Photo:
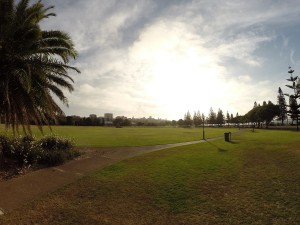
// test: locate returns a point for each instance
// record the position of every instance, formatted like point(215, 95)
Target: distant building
point(108, 119)
point(93, 116)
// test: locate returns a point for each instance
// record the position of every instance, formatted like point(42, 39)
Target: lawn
point(128, 136)
point(253, 180)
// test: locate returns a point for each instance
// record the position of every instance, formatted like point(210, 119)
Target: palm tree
point(34, 66)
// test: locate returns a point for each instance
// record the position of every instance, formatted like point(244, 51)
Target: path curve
point(18, 191)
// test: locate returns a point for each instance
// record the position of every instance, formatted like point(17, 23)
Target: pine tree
point(212, 116)
point(188, 119)
point(220, 117)
point(293, 111)
point(227, 117)
point(197, 119)
point(200, 118)
point(282, 105)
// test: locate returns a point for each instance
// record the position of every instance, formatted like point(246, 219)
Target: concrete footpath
point(18, 191)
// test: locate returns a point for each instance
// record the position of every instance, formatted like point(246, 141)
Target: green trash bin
point(227, 136)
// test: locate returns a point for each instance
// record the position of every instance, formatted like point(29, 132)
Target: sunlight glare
point(180, 83)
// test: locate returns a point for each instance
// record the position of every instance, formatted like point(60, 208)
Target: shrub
point(57, 157)
point(23, 149)
point(5, 146)
point(56, 143)
point(57, 150)
point(26, 150)
point(50, 150)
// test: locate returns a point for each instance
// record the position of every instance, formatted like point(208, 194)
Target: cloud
point(292, 56)
point(162, 58)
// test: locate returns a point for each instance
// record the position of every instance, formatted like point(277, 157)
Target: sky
point(162, 58)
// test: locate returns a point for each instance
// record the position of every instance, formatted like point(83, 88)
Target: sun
point(182, 83)
point(182, 72)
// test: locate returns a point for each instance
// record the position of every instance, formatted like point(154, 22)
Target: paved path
point(18, 191)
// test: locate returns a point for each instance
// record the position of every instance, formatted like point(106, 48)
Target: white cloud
point(292, 53)
point(161, 58)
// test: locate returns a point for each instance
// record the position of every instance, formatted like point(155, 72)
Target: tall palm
point(34, 65)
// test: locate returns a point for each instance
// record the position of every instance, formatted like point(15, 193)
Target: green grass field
point(128, 136)
point(253, 180)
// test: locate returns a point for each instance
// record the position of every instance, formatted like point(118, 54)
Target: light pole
point(203, 132)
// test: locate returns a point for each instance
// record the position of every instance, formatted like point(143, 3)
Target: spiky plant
point(34, 65)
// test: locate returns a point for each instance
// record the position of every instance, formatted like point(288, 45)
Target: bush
point(23, 149)
point(56, 143)
point(57, 157)
point(50, 150)
point(57, 150)
point(26, 151)
point(5, 146)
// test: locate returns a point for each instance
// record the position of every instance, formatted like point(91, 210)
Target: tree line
point(119, 121)
point(213, 118)
point(257, 116)
point(260, 115)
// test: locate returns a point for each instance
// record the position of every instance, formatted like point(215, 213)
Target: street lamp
point(203, 121)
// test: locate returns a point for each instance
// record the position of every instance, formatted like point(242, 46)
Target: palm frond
point(34, 66)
